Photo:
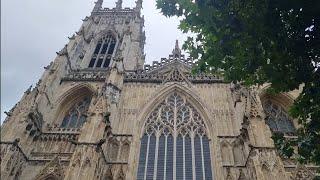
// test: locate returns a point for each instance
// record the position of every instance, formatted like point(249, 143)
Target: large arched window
point(76, 115)
point(174, 143)
point(277, 118)
point(102, 54)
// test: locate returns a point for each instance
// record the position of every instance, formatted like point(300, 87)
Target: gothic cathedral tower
point(99, 113)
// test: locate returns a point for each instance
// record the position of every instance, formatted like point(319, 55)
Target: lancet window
point(174, 144)
point(76, 115)
point(278, 119)
point(102, 54)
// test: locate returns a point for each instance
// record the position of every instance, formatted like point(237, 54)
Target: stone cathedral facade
point(99, 113)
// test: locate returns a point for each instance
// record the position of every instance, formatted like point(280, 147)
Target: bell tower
point(107, 34)
point(63, 124)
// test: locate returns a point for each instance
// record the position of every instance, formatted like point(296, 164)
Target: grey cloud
point(33, 30)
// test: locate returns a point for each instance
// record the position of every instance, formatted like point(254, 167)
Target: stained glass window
point(101, 57)
point(278, 119)
point(76, 116)
point(174, 144)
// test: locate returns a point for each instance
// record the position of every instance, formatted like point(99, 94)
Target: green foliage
point(257, 42)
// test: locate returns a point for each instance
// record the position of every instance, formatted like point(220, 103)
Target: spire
point(98, 5)
point(119, 4)
point(138, 5)
point(176, 52)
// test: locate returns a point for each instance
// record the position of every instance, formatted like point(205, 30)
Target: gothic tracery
point(175, 142)
point(103, 52)
point(277, 118)
point(76, 116)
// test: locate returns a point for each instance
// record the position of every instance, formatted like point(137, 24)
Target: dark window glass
point(82, 120)
point(179, 157)
point(206, 158)
point(103, 50)
point(105, 47)
point(107, 61)
point(161, 153)
point(75, 117)
point(111, 48)
point(93, 60)
point(142, 158)
point(96, 51)
point(169, 165)
point(277, 118)
point(188, 158)
point(65, 121)
point(99, 63)
point(151, 157)
point(198, 157)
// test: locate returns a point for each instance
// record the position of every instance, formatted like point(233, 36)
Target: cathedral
point(100, 112)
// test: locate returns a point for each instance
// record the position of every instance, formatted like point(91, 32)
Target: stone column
point(87, 152)
point(265, 161)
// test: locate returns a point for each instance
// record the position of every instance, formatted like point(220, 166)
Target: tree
point(257, 42)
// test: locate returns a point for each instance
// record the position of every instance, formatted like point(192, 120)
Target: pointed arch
point(276, 108)
point(285, 99)
point(76, 98)
point(226, 153)
point(110, 30)
point(160, 95)
point(113, 149)
point(106, 44)
point(125, 149)
point(238, 151)
point(175, 141)
point(52, 171)
point(267, 173)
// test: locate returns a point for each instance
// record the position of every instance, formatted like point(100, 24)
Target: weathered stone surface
point(35, 144)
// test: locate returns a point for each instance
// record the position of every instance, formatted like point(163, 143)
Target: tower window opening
point(103, 52)
point(76, 116)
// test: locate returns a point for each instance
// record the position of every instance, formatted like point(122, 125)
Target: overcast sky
point(33, 30)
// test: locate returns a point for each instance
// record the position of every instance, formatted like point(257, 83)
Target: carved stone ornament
point(253, 105)
point(175, 76)
point(99, 107)
point(303, 173)
point(64, 51)
point(112, 93)
point(118, 62)
point(52, 170)
point(86, 75)
point(268, 158)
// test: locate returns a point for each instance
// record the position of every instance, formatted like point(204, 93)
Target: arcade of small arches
point(277, 117)
point(175, 125)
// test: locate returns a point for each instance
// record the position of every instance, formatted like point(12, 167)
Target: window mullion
point(202, 159)
point(156, 158)
point(69, 120)
point(174, 141)
point(147, 154)
point(193, 157)
point(184, 157)
point(99, 53)
point(106, 54)
point(165, 159)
